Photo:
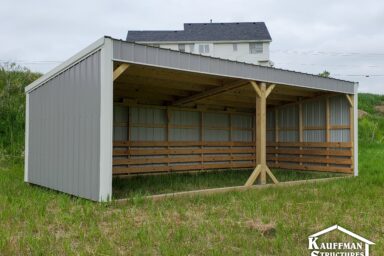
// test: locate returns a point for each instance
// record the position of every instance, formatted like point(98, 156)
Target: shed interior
point(169, 120)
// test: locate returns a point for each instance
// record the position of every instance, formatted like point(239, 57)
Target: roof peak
point(215, 31)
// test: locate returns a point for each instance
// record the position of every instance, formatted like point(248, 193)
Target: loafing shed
point(120, 108)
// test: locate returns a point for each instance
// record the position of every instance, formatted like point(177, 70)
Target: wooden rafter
point(209, 93)
point(120, 70)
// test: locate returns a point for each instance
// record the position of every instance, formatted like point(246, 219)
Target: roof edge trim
point(97, 45)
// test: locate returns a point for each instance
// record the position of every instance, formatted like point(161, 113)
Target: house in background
point(239, 41)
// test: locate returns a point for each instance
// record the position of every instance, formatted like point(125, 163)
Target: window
point(204, 48)
point(182, 47)
point(234, 46)
point(255, 48)
point(191, 47)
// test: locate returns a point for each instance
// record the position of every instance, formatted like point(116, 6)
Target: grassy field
point(34, 220)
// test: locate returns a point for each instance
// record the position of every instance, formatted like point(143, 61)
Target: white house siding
point(225, 51)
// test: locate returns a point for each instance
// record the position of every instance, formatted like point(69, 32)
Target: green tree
point(13, 79)
point(325, 73)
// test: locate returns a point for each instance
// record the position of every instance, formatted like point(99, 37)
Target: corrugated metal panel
point(289, 124)
point(314, 136)
point(339, 115)
point(120, 120)
point(270, 125)
point(148, 124)
point(64, 116)
point(197, 63)
point(314, 113)
point(339, 135)
point(242, 127)
point(339, 110)
point(187, 126)
point(216, 126)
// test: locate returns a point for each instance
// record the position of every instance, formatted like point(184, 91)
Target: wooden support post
point(167, 134)
point(352, 128)
point(301, 127)
point(120, 70)
point(261, 156)
point(327, 124)
point(202, 137)
point(230, 136)
point(261, 170)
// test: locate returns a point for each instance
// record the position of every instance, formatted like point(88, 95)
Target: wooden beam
point(120, 70)
point(256, 88)
point(261, 170)
point(231, 189)
point(270, 174)
point(350, 100)
point(269, 90)
point(209, 93)
point(352, 128)
point(252, 178)
point(261, 126)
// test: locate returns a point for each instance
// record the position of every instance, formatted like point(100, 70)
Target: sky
point(344, 37)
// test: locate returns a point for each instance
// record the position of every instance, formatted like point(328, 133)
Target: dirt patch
point(361, 113)
point(268, 230)
point(380, 109)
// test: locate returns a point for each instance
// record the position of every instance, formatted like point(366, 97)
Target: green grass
point(34, 220)
point(39, 221)
point(133, 186)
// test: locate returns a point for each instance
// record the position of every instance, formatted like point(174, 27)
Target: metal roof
point(234, 31)
point(124, 51)
point(135, 53)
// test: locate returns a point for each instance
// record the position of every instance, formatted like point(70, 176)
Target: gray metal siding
point(289, 123)
point(339, 115)
point(154, 56)
point(64, 116)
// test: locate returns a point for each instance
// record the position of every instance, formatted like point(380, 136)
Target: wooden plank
point(120, 70)
point(182, 143)
point(212, 191)
point(269, 90)
point(256, 88)
point(146, 152)
point(312, 168)
point(310, 152)
point(146, 169)
point(312, 144)
point(345, 161)
point(352, 128)
point(256, 172)
point(156, 73)
point(350, 100)
point(210, 92)
point(189, 159)
point(270, 174)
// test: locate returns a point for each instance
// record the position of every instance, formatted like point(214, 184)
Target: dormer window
point(255, 48)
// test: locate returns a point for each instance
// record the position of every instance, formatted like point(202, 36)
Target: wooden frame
point(211, 191)
point(201, 155)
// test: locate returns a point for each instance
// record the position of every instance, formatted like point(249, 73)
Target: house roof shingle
point(205, 32)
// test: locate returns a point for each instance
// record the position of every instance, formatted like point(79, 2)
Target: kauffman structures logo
point(358, 248)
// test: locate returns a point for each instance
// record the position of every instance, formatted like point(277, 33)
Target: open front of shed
point(120, 108)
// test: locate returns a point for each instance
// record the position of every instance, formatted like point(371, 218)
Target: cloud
point(343, 37)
